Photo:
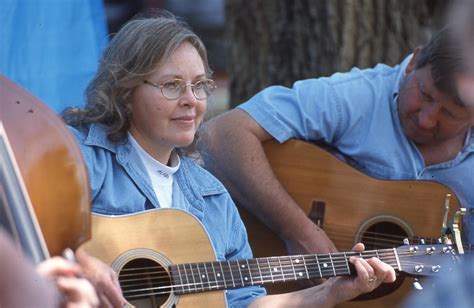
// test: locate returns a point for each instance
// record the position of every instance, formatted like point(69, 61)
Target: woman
point(143, 110)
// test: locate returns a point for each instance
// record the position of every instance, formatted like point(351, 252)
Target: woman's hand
point(77, 292)
point(103, 278)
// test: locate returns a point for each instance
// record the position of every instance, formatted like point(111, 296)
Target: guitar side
point(176, 235)
point(354, 205)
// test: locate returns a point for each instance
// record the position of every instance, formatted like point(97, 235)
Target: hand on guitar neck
point(316, 241)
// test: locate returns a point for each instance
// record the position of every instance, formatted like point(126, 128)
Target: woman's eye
point(199, 85)
point(172, 84)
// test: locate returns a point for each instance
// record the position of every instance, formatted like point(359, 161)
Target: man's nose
point(428, 116)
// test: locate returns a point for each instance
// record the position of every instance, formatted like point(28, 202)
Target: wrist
point(303, 231)
point(331, 293)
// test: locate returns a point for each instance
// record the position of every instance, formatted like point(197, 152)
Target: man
point(405, 122)
point(455, 289)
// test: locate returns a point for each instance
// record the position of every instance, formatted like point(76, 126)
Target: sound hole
point(383, 235)
point(145, 283)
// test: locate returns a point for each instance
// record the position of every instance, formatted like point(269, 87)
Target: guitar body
point(351, 207)
point(160, 237)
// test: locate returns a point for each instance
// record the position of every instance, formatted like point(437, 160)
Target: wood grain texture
point(176, 235)
point(354, 203)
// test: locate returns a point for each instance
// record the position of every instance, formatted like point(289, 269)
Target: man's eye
point(426, 97)
point(448, 113)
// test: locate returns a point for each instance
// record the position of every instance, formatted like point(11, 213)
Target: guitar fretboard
point(208, 276)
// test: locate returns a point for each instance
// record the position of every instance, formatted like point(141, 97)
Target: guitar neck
point(218, 275)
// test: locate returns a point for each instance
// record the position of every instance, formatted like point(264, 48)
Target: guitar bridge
point(317, 212)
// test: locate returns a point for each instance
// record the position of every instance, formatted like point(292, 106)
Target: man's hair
point(140, 47)
point(445, 56)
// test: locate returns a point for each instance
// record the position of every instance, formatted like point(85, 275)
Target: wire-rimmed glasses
point(175, 88)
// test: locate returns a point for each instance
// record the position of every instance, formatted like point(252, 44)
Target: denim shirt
point(120, 187)
point(356, 112)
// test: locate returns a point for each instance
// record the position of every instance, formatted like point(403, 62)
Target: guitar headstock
point(426, 260)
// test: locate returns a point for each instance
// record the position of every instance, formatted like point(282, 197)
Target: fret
point(178, 285)
point(298, 268)
point(231, 274)
point(326, 263)
point(216, 276)
point(319, 267)
point(245, 272)
point(209, 270)
point(275, 269)
point(291, 268)
point(192, 286)
point(270, 270)
point(281, 269)
point(205, 276)
point(240, 272)
point(266, 270)
point(259, 271)
point(346, 260)
point(305, 267)
point(332, 263)
point(250, 272)
point(185, 283)
point(223, 275)
point(200, 277)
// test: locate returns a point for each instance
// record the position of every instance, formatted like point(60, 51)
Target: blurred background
point(52, 47)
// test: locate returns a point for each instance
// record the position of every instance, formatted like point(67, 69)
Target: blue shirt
point(120, 187)
point(52, 47)
point(356, 112)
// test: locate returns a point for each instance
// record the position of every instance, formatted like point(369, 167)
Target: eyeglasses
point(174, 88)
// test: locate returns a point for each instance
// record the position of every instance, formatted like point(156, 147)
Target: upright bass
point(44, 192)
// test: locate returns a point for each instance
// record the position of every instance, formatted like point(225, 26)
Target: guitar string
point(262, 279)
point(187, 288)
point(322, 258)
point(382, 242)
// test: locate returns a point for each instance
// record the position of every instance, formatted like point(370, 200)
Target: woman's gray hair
point(136, 51)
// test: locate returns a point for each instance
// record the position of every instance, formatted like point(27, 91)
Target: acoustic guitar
point(164, 258)
point(352, 207)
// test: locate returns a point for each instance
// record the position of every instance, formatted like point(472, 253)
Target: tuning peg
point(422, 241)
point(447, 249)
point(417, 285)
point(406, 241)
point(413, 249)
point(435, 268)
point(419, 268)
point(440, 241)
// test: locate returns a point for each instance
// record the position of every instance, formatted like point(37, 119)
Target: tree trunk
point(281, 41)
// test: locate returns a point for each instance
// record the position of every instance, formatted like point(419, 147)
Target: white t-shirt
point(161, 175)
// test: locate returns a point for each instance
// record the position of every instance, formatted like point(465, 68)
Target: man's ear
point(411, 65)
point(465, 88)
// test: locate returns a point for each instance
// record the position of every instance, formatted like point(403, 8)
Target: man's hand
point(103, 278)
point(370, 274)
point(316, 242)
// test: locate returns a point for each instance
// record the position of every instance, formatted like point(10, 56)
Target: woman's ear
point(411, 65)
